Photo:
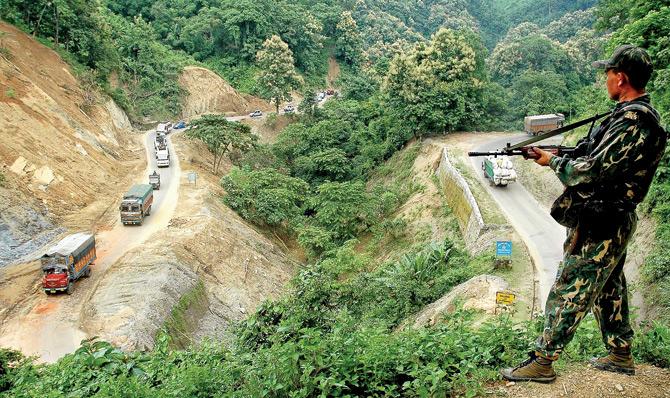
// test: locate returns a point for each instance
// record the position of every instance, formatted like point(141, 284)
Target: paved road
point(541, 234)
point(49, 326)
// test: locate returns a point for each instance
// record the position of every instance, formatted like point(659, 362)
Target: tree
point(221, 136)
point(349, 44)
point(538, 93)
point(265, 196)
point(438, 86)
point(278, 76)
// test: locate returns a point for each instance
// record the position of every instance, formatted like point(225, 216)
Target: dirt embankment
point(64, 150)
point(205, 243)
point(208, 93)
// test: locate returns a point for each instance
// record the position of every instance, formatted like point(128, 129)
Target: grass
point(487, 205)
point(181, 322)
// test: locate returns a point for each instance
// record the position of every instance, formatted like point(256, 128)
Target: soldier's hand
point(544, 157)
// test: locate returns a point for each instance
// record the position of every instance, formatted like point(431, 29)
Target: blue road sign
point(503, 248)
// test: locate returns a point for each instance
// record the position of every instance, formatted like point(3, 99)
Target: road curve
point(541, 234)
point(49, 326)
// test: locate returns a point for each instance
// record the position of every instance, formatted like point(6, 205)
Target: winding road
point(541, 234)
point(49, 326)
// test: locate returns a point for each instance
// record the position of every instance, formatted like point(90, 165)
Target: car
point(320, 97)
point(330, 91)
point(180, 125)
point(289, 108)
point(256, 113)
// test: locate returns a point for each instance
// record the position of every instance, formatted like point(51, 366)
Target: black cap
point(633, 61)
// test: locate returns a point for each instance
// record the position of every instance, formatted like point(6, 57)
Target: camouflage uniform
point(609, 175)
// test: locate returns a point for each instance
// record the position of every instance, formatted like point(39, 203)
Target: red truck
point(67, 261)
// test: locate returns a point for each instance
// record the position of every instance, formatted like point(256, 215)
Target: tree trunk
point(56, 13)
point(39, 20)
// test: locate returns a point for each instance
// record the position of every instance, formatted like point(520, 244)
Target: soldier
point(608, 175)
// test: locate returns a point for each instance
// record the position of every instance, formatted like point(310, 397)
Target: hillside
point(65, 148)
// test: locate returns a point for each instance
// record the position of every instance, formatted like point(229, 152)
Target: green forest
point(410, 69)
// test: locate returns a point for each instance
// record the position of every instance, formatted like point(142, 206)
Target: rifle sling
point(555, 132)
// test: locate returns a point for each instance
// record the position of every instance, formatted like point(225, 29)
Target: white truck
point(499, 169)
point(163, 158)
point(164, 127)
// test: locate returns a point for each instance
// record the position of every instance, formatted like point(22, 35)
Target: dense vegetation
point(410, 69)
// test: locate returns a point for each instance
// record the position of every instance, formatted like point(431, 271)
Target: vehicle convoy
point(163, 158)
point(499, 169)
point(155, 180)
point(136, 204)
point(67, 261)
point(539, 124)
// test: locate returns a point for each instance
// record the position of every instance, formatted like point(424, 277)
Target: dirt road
point(541, 234)
point(49, 326)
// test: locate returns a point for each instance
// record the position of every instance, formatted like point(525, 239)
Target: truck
point(163, 158)
point(155, 180)
point(136, 204)
point(538, 124)
point(164, 127)
point(499, 170)
point(160, 142)
point(67, 261)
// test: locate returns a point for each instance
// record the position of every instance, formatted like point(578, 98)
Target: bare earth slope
point(209, 93)
point(60, 152)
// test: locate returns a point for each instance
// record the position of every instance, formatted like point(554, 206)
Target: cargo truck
point(539, 124)
point(163, 158)
point(499, 169)
point(136, 204)
point(67, 261)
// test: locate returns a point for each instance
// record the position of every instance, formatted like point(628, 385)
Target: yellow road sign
point(505, 298)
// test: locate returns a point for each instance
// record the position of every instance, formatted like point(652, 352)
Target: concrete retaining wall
point(462, 202)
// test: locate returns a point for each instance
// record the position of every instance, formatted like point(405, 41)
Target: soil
point(333, 72)
point(208, 93)
point(62, 155)
point(582, 381)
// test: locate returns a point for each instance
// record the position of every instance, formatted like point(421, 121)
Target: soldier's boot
point(619, 360)
point(536, 368)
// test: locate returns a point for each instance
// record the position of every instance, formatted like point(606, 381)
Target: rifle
point(526, 150)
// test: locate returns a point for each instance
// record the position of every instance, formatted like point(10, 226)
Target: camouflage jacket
point(612, 168)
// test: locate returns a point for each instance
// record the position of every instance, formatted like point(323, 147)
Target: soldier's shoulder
point(639, 113)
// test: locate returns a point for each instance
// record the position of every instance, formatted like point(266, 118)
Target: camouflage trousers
point(590, 278)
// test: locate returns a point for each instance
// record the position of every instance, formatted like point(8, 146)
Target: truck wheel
point(87, 273)
point(70, 288)
point(149, 211)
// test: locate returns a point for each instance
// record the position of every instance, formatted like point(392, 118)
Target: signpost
point(193, 178)
point(503, 254)
point(505, 298)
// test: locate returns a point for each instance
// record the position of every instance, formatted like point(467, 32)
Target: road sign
point(193, 177)
point(503, 248)
point(505, 298)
